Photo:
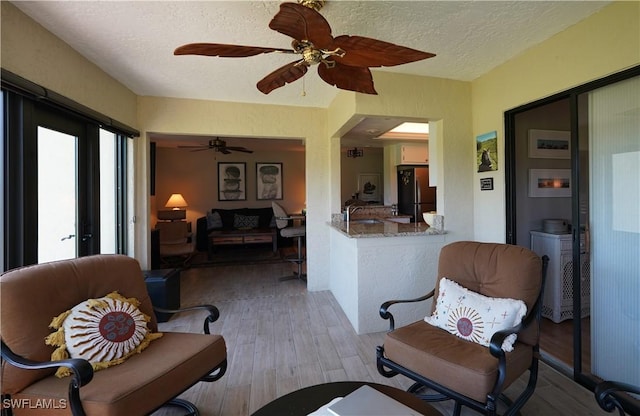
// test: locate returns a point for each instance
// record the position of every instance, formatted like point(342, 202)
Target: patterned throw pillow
point(104, 331)
point(245, 222)
point(475, 317)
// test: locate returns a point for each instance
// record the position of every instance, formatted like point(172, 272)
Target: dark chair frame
point(83, 371)
point(608, 397)
point(495, 348)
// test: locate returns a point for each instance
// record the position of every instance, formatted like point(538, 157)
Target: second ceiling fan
point(218, 145)
point(344, 61)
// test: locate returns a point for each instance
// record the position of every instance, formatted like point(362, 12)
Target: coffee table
point(241, 237)
point(307, 400)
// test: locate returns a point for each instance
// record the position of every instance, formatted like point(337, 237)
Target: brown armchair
point(32, 295)
point(471, 374)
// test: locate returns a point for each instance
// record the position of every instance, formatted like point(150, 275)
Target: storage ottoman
point(163, 286)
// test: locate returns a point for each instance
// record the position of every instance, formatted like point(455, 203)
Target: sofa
point(259, 220)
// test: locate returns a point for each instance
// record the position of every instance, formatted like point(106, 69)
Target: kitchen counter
point(368, 267)
point(384, 228)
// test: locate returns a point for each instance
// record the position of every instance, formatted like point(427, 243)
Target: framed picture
point(369, 186)
point(232, 183)
point(545, 183)
point(486, 184)
point(268, 181)
point(549, 144)
point(487, 151)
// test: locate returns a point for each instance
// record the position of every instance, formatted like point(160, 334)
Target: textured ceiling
point(133, 41)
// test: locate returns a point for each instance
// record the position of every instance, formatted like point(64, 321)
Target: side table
point(163, 286)
point(309, 399)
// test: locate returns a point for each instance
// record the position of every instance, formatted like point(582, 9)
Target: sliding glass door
point(614, 230)
point(601, 269)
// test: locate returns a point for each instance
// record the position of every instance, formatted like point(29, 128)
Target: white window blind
point(614, 149)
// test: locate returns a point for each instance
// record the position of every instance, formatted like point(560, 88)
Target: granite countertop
point(384, 228)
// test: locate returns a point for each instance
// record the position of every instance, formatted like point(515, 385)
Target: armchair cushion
point(104, 331)
point(475, 317)
point(133, 388)
point(466, 367)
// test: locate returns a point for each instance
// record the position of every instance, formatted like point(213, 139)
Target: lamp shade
point(176, 201)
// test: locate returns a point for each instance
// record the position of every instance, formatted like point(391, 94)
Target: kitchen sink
point(366, 221)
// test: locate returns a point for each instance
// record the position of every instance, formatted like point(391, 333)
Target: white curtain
point(614, 149)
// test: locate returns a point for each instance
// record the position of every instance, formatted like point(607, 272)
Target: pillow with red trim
point(104, 331)
point(475, 317)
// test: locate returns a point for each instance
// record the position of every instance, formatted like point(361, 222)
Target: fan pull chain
point(304, 92)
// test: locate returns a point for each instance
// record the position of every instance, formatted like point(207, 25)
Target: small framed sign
point(486, 184)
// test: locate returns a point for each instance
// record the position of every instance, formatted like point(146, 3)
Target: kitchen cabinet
point(413, 154)
point(558, 293)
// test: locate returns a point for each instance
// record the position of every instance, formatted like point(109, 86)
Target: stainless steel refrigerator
point(415, 196)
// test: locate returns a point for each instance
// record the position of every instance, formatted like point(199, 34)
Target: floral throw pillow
point(104, 331)
point(475, 317)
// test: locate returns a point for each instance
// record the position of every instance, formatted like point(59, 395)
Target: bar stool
point(287, 231)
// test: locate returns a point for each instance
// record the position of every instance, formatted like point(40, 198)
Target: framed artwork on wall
point(549, 144)
point(549, 183)
point(232, 184)
point(268, 181)
point(369, 186)
point(487, 151)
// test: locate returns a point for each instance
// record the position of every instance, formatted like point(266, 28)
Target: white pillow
point(104, 331)
point(475, 317)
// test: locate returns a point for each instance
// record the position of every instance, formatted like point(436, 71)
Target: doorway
point(574, 212)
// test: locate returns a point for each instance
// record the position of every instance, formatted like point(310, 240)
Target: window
point(65, 175)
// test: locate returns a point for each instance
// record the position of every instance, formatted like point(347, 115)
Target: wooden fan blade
point(223, 150)
point(225, 51)
point(281, 76)
point(303, 23)
point(351, 78)
point(239, 149)
point(362, 51)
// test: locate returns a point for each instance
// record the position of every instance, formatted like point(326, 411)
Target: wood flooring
point(280, 338)
point(556, 343)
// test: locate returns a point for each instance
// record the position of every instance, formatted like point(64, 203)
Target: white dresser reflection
point(558, 294)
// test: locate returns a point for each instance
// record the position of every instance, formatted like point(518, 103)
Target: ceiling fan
point(344, 61)
point(219, 146)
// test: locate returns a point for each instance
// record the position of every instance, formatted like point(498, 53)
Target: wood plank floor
point(281, 338)
point(556, 342)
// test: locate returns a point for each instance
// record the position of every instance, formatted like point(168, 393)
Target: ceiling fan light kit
point(343, 61)
point(218, 145)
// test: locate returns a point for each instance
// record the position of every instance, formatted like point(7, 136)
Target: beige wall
point(605, 43)
point(32, 52)
point(195, 176)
